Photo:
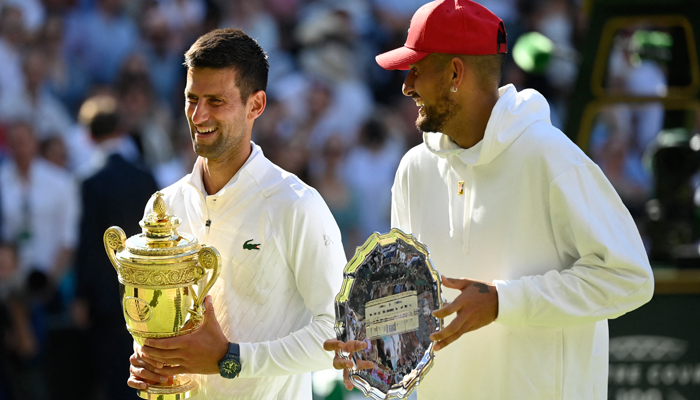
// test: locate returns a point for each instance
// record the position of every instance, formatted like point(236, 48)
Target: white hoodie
point(539, 219)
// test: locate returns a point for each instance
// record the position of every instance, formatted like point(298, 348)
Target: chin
point(425, 125)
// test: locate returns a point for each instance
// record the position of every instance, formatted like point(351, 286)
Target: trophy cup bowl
point(162, 285)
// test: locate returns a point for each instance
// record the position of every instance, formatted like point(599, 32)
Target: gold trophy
point(158, 270)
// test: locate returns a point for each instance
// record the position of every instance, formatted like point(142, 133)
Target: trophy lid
point(160, 236)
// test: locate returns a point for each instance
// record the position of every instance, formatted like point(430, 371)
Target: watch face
point(230, 368)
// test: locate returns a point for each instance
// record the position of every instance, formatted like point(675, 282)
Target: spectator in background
point(33, 13)
point(65, 76)
point(392, 22)
point(369, 171)
point(85, 157)
point(35, 102)
point(252, 17)
point(145, 119)
point(623, 132)
point(644, 77)
point(12, 38)
point(53, 149)
point(329, 56)
point(164, 60)
point(114, 195)
point(39, 213)
point(39, 207)
point(255, 18)
point(393, 14)
point(294, 157)
point(342, 200)
point(21, 372)
point(184, 19)
point(553, 19)
point(100, 39)
point(508, 10)
point(183, 158)
point(319, 98)
point(57, 7)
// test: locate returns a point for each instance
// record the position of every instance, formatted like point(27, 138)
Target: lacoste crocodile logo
point(251, 246)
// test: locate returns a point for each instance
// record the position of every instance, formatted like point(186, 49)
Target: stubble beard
point(434, 118)
point(223, 146)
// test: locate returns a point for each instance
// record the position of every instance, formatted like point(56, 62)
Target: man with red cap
point(501, 196)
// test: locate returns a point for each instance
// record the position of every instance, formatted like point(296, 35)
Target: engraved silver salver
point(389, 292)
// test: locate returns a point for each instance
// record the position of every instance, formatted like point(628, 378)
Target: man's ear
point(256, 104)
point(457, 69)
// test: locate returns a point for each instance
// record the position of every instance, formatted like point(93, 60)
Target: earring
point(453, 89)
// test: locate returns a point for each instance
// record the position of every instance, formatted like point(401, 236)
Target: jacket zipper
point(206, 230)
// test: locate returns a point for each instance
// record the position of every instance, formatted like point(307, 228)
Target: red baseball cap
point(449, 27)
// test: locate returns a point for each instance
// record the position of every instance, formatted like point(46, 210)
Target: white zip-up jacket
point(539, 219)
point(283, 265)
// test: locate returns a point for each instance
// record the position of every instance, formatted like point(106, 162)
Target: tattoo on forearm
point(482, 287)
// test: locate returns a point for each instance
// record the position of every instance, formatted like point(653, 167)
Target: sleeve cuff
point(512, 302)
point(246, 359)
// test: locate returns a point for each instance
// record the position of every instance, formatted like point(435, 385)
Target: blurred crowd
point(81, 80)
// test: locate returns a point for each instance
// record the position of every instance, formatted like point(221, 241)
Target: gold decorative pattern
point(145, 277)
point(208, 257)
point(113, 239)
point(185, 250)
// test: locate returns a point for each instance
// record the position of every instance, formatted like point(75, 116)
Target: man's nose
point(407, 88)
point(200, 114)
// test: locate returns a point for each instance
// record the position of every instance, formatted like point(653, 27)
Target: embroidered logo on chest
point(250, 246)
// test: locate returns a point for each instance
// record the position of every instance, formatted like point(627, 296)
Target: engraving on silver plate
point(389, 292)
point(392, 315)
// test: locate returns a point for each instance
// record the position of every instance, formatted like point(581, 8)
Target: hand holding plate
point(476, 307)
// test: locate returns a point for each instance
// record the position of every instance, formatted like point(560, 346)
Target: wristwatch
point(230, 365)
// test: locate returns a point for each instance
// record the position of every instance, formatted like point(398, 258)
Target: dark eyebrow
point(206, 96)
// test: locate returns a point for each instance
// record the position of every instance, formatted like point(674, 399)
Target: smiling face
point(428, 83)
point(216, 113)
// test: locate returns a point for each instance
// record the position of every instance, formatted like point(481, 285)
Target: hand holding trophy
point(158, 270)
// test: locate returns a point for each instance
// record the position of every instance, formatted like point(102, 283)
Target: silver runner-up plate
point(389, 292)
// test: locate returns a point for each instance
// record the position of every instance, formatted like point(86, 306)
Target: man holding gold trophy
point(501, 196)
point(271, 309)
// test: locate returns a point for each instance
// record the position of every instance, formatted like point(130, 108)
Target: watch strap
point(234, 349)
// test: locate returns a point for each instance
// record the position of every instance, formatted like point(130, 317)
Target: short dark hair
point(231, 48)
point(101, 115)
point(488, 68)
point(104, 124)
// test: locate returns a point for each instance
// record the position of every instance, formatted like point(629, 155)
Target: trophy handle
point(115, 240)
point(209, 258)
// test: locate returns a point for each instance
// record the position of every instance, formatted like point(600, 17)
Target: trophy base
point(182, 388)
